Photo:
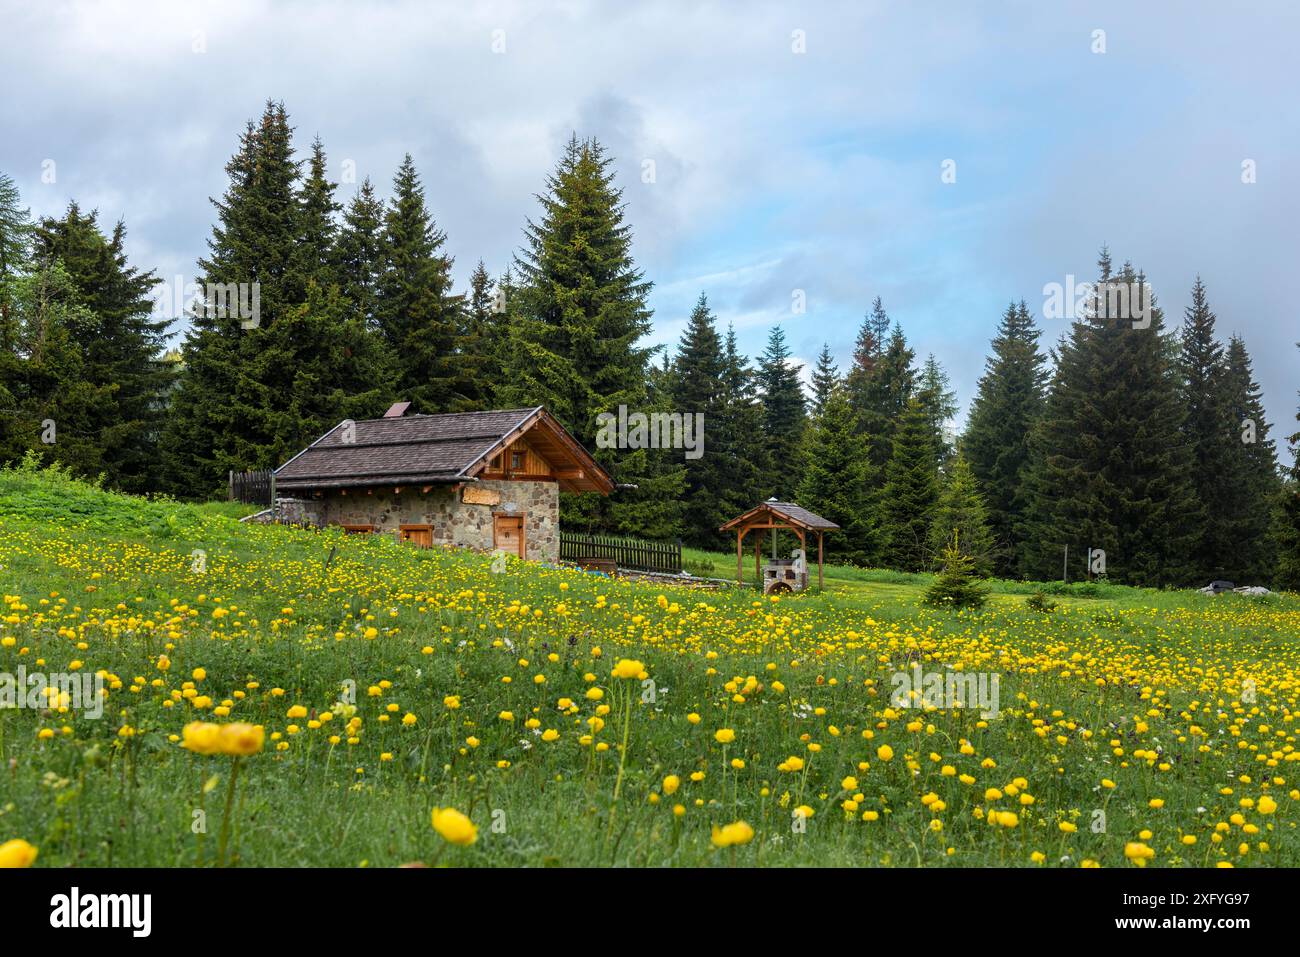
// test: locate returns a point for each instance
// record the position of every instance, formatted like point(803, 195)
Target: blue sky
point(775, 170)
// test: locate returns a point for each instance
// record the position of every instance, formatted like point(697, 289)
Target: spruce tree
point(825, 379)
point(1113, 463)
point(56, 407)
point(578, 314)
point(837, 482)
point(359, 252)
point(1009, 401)
point(418, 313)
point(317, 222)
point(878, 322)
point(956, 585)
point(784, 416)
point(121, 343)
point(1213, 435)
point(15, 250)
point(221, 417)
point(736, 443)
point(910, 493)
point(961, 511)
point(880, 382)
point(940, 403)
point(483, 339)
point(697, 388)
point(1253, 465)
point(257, 388)
point(15, 253)
point(1287, 534)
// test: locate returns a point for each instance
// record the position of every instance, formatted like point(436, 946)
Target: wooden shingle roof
point(431, 449)
point(794, 514)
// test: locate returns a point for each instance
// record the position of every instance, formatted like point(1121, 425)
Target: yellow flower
point(628, 668)
point(885, 753)
point(1266, 805)
point(671, 784)
point(454, 827)
point(731, 835)
point(240, 739)
point(201, 737)
point(1067, 828)
point(17, 853)
point(1138, 853)
point(804, 811)
point(297, 711)
point(550, 734)
point(724, 735)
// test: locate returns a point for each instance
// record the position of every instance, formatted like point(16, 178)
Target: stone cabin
point(481, 480)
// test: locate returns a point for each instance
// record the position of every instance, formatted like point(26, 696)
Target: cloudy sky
point(794, 146)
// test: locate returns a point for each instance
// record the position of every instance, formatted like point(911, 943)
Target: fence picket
point(630, 553)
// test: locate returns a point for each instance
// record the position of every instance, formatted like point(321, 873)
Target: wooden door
point(508, 534)
point(421, 536)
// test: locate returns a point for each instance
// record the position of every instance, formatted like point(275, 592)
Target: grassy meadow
point(578, 720)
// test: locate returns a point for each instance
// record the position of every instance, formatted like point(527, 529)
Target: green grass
point(278, 617)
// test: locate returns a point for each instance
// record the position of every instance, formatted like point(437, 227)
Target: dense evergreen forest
point(1144, 443)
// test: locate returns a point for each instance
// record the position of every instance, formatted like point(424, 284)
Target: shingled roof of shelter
point(414, 449)
point(796, 514)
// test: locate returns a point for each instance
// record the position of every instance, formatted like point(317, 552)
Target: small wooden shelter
point(770, 517)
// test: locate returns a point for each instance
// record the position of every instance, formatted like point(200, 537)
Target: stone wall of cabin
point(454, 521)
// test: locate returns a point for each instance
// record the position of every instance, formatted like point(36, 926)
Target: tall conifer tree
point(419, 314)
point(1009, 401)
point(1253, 464)
point(697, 388)
point(825, 379)
point(911, 492)
point(784, 415)
point(1113, 464)
point(121, 345)
point(837, 482)
point(578, 314)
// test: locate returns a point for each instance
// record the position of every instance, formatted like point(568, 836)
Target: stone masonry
point(453, 521)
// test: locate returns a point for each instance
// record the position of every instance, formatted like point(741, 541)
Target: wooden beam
point(819, 561)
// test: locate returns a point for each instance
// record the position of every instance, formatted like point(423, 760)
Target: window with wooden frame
point(358, 529)
point(421, 536)
point(517, 460)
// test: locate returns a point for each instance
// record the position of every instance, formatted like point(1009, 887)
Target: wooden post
point(740, 571)
point(819, 560)
point(758, 548)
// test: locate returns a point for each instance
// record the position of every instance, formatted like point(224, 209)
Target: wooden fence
point(252, 488)
point(630, 553)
